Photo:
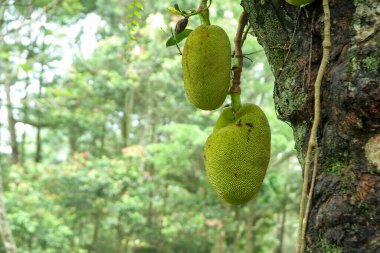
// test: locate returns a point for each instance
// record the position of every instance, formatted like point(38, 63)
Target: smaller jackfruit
point(299, 3)
point(237, 153)
point(206, 64)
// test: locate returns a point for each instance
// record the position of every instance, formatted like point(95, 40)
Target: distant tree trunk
point(236, 244)
point(95, 233)
point(219, 241)
point(103, 139)
point(345, 211)
point(73, 138)
point(149, 168)
point(25, 104)
point(38, 157)
point(11, 122)
point(38, 143)
point(249, 226)
point(120, 234)
point(281, 231)
point(126, 120)
point(25, 110)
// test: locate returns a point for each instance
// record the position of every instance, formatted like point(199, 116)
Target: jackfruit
point(206, 64)
point(237, 153)
point(299, 3)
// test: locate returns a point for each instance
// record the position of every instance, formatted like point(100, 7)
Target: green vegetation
point(371, 64)
point(329, 248)
point(106, 154)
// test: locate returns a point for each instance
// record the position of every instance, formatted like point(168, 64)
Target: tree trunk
point(281, 231)
point(236, 243)
point(25, 109)
point(95, 233)
point(38, 156)
point(218, 241)
point(345, 211)
point(11, 123)
point(74, 133)
point(126, 120)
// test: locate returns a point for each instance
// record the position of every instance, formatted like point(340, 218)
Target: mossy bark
point(345, 212)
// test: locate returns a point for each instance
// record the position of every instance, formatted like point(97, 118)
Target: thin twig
point(313, 145)
point(246, 57)
point(188, 15)
point(255, 52)
point(175, 40)
point(245, 34)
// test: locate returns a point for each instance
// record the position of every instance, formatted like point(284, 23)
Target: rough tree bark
point(345, 211)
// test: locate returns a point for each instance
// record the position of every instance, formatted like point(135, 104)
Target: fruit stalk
point(235, 101)
point(204, 14)
point(238, 68)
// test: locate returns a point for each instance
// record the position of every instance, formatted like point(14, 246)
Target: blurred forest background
point(100, 150)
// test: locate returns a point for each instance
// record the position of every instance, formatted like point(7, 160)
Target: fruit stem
point(235, 101)
point(238, 67)
point(204, 14)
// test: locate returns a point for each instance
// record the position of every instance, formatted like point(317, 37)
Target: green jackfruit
point(299, 3)
point(237, 153)
point(206, 64)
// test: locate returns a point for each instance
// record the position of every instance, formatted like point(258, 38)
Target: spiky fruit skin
point(206, 64)
point(237, 154)
point(299, 3)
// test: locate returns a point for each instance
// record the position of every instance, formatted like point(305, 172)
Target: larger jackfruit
point(237, 153)
point(206, 64)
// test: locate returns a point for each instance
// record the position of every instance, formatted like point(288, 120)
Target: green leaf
point(137, 14)
point(174, 11)
point(139, 5)
point(179, 37)
point(27, 66)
